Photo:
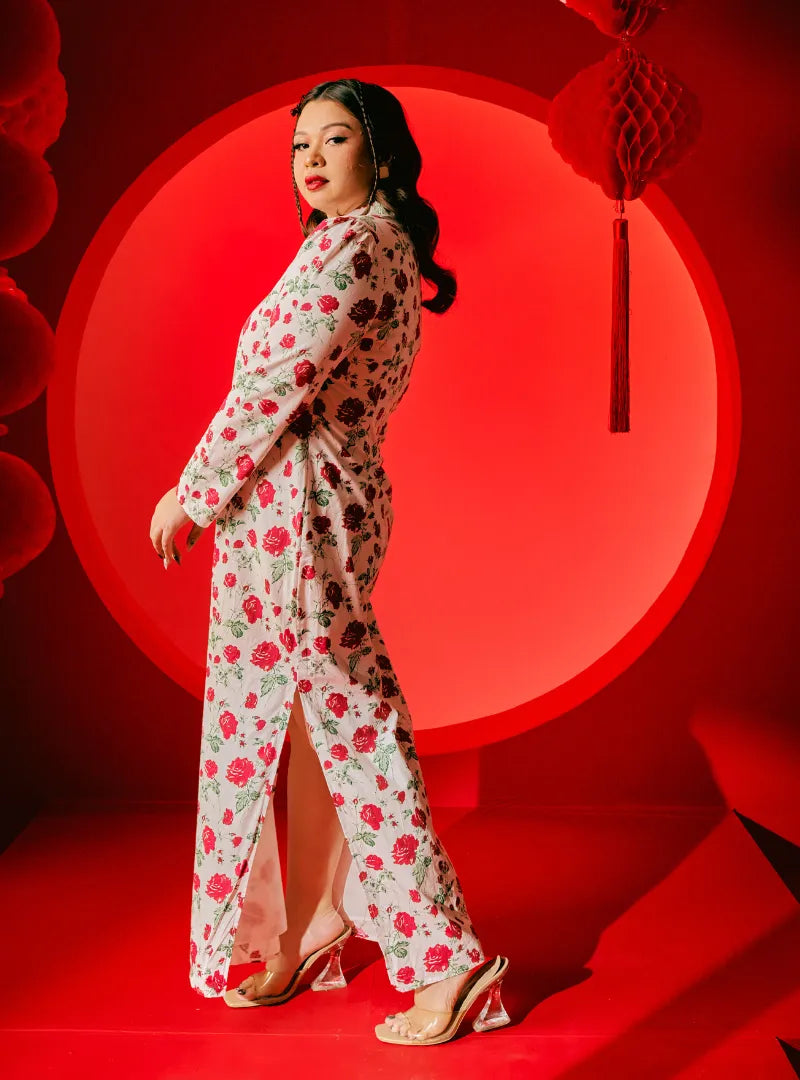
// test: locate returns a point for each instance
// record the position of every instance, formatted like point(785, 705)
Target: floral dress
point(290, 473)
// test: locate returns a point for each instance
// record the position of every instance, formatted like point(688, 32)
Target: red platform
point(648, 944)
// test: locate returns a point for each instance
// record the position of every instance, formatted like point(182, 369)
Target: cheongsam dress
point(290, 474)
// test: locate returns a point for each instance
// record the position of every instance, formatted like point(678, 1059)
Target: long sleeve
point(284, 356)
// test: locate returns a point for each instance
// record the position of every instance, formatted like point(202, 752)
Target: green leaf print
point(320, 496)
point(383, 756)
point(244, 798)
point(237, 627)
point(325, 618)
point(420, 867)
point(281, 566)
point(271, 680)
point(367, 838)
point(214, 740)
point(398, 948)
point(225, 477)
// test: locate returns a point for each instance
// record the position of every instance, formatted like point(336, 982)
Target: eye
point(333, 138)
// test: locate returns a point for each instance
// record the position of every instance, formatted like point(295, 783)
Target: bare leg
point(317, 863)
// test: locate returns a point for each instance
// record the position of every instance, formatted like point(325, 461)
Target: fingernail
point(166, 564)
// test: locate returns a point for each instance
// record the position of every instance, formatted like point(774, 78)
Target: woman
point(290, 473)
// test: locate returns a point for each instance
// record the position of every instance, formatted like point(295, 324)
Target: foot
point(297, 943)
point(431, 1012)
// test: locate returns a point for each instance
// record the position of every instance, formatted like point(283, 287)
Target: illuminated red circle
point(534, 555)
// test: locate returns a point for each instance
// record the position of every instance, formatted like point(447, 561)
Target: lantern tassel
point(619, 419)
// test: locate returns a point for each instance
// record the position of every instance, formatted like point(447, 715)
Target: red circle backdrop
point(534, 555)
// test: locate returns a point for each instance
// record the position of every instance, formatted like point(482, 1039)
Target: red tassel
point(619, 418)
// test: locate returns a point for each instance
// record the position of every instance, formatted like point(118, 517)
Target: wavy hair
point(382, 117)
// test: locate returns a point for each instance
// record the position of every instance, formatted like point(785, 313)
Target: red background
point(86, 706)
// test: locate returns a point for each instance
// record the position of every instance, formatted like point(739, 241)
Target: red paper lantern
point(27, 515)
point(618, 17)
point(35, 120)
point(622, 123)
point(26, 348)
point(29, 46)
point(28, 197)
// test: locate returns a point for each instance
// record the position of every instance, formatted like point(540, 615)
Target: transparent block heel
point(492, 1015)
point(332, 977)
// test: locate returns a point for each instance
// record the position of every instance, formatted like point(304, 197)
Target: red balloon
point(624, 122)
point(27, 515)
point(29, 46)
point(35, 120)
point(28, 197)
point(618, 17)
point(26, 349)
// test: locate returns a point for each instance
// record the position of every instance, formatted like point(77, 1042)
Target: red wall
point(89, 716)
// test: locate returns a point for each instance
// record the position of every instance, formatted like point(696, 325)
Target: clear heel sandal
point(485, 979)
point(332, 977)
point(492, 1015)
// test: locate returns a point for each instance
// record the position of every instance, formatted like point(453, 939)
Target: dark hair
point(382, 117)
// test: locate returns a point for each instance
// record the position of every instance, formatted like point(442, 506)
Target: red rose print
point(244, 466)
point(417, 819)
point(327, 304)
point(193, 951)
point(209, 840)
point(405, 923)
point(267, 753)
point(216, 982)
point(339, 751)
point(382, 782)
point(304, 372)
point(287, 341)
point(437, 958)
point(364, 739)
point(322, 644)
point(218, 887)
point(414, 895)
point(373, 911)
point(212, 497)
point(228, 723)
point(265, 492)
point(231, 653)
point(253, 608)
point(303, 685)
point(353, 634)
point(211, 769)
point(196, 881)
point(229, 580)
point(331, 472)
point(240, 771)
point(337, 703)
point(338, 798)
point(453, 930)
point(288, 640)
point(405, 975)
point(228, 433)
point(266, 655)
point(251, 700)
point(227, 817)
point(276, 540)
point(373, 816)
point(405, 849)
point(374, 862)
point(241, 868)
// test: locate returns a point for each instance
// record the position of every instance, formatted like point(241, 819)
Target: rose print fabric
point(290, 473)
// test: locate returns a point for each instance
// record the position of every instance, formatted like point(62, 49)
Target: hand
point(168, 519)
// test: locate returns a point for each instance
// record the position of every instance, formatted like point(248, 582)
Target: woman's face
point(329, 142)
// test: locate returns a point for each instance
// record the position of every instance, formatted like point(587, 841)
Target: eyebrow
point(334, 123)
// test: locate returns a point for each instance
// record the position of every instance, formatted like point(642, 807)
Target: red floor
point(642, 946)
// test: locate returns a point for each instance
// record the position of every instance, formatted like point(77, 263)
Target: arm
point(321, 313)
